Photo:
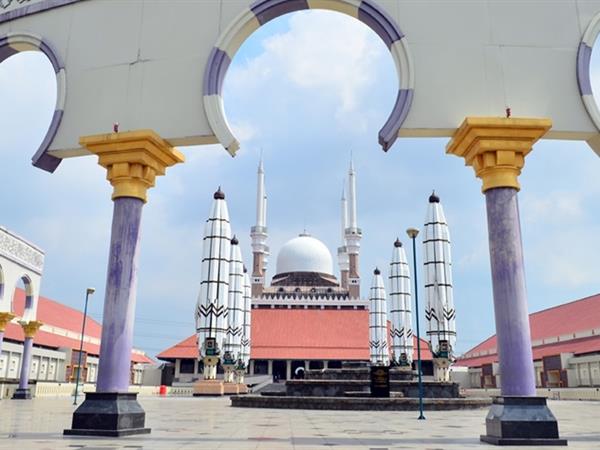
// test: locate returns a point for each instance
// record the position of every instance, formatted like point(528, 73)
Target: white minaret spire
point(378, 342)
point(260, 250)
point(235, 312)
point(211, 309)
point(400, 307)
point(353, 235)
point(439, 312)
point(343, 259)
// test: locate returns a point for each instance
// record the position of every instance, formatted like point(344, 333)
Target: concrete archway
point(14, 43)
point(261, 12)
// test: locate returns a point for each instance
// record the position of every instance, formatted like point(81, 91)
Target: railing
point(592, 393)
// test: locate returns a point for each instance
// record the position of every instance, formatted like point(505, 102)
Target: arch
point(29, 296)
point(584, 58)
point(14, 43)
point(263, 11)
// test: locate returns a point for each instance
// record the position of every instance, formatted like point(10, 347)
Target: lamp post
point(88, 292)
point(413, 233)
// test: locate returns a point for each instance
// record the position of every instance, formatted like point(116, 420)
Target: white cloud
point(327, 52)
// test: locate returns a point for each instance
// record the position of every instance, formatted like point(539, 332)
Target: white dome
point(304, 254)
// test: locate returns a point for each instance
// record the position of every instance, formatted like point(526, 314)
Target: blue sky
point(308, 89)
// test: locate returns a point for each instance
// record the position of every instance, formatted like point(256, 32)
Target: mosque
point(309, 318)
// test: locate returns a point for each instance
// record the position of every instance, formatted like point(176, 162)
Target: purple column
point(517, 376)
point(119, 301)
point(26, 363)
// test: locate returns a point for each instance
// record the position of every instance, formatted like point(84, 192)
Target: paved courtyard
point(189, 423)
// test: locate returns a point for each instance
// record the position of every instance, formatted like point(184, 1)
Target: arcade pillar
point(5, 318)
point(29, 330)
point(132, 160)
point(496, 149)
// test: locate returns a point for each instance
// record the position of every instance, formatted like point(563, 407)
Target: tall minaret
point(378, 335)
point(343, 259)
point(400, 307)
point(211, 309)
point(260, 251)
point(439, 312)
point(353, 237)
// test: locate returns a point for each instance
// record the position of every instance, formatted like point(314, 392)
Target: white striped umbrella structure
point(378, 342)
point(235, 309)
point(400, 307)
point(439, 312)
point(211, 309)
point(246, 328)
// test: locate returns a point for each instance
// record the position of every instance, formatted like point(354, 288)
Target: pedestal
point(514, 420)
point(22, 394)
point(108, 414)
point(231, 389)
point(209, 388)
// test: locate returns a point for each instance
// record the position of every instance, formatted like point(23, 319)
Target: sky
point(307, 90)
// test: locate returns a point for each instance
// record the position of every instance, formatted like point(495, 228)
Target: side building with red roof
point(565, 343)
point(56, 345)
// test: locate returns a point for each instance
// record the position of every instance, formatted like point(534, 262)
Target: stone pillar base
point(209, 388)
point(108, 414)
point(22, 394)
point(514, 420)
point(231, 389)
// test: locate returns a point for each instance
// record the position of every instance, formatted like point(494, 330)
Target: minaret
point(235, 312)
point(211, 309)
point(246, 330)
point(439, 312)
point(260, 250)
point(353, 237)
point(378, 342)
point(343, 259)
point(400, 307)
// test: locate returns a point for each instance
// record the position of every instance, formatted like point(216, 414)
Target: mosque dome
point(304, 254)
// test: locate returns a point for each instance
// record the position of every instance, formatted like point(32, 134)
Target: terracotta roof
point(54, 314)
point(562, 321)
point(313, 334)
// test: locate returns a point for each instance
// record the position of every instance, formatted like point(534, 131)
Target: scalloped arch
point(14, 43)
point(263, 11)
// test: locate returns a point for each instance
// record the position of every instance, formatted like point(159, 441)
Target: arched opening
point(18, 53)
point(25, 285)
point(262, 12)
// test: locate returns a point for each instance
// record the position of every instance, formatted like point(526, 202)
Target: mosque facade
point(307, 317)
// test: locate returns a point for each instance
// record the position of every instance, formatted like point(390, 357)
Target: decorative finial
point(434, 198)
point(377, 271)
point(245, 269)
point(234, 241)
point(219, 195)
point(397, 244)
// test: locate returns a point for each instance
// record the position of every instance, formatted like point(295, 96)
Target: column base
point(514, 420)
point(22, 394)
point(110, 414)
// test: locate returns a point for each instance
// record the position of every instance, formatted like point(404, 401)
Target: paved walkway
point(192, 423)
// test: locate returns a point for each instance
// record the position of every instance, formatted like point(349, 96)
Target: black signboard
point(380, 381)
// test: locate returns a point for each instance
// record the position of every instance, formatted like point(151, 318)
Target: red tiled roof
point(567, 319)
point(313, 334)
point(52, 313)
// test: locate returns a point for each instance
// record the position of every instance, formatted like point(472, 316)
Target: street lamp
point(88, 292)
point(413, 233)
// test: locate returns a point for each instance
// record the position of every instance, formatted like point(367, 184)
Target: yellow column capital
point(5, 318)
point(496, 147)
point(132, 159)
point(30, 328)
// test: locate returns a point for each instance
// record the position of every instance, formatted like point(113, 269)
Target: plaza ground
point(210, 423)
